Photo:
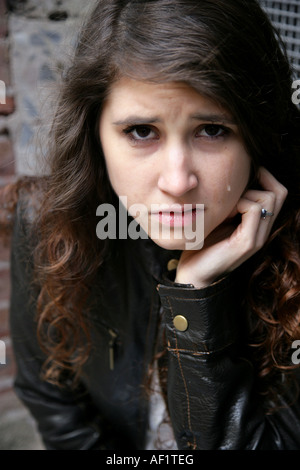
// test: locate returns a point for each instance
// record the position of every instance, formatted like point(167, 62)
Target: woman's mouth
point(178, 216)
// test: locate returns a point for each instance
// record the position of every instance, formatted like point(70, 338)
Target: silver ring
point(265, 214)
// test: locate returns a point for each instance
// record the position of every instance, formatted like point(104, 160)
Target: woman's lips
point(176, 216)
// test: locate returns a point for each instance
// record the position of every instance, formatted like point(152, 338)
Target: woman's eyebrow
point(137, 120)
point(221, 118)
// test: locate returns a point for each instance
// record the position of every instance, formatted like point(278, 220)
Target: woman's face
point(167, 146)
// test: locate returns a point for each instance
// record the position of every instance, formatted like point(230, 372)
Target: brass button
point(180, 323)
point(172, 264)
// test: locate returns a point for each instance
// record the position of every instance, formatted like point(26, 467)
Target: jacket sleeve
point(66, 418)
point(212, 397)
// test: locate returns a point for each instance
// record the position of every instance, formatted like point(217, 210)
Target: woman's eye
point(212, 131)
point(141, 133)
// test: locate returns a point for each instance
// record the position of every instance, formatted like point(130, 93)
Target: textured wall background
point(41, 36)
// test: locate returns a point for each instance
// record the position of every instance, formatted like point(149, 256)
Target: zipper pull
point(111, 345)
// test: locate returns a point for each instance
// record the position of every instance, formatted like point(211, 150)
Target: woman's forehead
point(135, 96)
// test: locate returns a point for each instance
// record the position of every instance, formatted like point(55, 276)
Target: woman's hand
point(228, 246)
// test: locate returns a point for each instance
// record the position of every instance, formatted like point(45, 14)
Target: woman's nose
point(177, 175)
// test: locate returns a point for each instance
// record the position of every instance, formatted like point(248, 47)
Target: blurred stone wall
point(41, 38)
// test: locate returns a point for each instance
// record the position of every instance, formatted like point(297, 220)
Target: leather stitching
point(199, 353)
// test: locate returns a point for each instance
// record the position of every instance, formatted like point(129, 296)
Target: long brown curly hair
point(228, 51)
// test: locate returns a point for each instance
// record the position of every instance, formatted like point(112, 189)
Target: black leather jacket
point(211, 384)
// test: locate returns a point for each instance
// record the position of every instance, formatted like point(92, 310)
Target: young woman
point(155, 269)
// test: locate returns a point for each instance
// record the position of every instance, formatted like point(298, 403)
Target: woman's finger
point(269, 183)
point(271, 199)
point(247, 232)
point(266, 200)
